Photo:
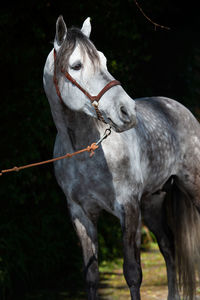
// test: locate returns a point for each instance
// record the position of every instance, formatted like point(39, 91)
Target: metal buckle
point(106, 134)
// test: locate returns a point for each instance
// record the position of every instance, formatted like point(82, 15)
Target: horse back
point(169, 138)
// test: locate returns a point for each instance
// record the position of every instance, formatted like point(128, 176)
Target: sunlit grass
point(154, 285)
point(113, 285)
point(109, 266)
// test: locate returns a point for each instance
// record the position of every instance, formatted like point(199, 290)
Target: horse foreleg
point(155, 218)
point(131, 230)
point(87, 233)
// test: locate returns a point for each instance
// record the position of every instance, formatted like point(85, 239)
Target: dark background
point(38, 246)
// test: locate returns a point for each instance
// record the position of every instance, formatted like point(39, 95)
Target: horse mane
point(74, 37)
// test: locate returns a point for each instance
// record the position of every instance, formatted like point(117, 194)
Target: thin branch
point(155, 24)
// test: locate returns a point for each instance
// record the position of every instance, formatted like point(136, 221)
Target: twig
point(155, 24)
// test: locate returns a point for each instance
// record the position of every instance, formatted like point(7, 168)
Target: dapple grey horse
point(149, 165)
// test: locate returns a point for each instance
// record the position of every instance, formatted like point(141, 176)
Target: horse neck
point(79, 127)
point(83, 129)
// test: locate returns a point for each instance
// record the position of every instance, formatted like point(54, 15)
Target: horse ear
point(61, 32)
point(86, 28)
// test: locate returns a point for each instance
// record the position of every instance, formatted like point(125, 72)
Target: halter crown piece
point(94, 99)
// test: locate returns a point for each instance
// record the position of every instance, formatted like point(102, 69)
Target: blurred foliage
point(147, 238)
point(38, 246)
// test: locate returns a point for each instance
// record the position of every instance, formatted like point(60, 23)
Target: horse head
point(80, 71)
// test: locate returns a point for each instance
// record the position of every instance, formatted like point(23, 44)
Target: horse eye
point(77, 67)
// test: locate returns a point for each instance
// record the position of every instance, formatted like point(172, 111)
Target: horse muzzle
point(121, 117)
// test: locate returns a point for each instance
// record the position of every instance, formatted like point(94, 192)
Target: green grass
point(154, 285)
point(112, 282)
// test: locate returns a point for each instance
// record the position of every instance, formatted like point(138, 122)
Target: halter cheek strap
point(94, 99)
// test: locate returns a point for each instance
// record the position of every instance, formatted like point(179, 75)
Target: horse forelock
point(76, 37)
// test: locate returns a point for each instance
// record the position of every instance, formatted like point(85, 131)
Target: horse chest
point(101, 180)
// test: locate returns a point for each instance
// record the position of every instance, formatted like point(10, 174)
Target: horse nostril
point(123, 110)
point(124, 114)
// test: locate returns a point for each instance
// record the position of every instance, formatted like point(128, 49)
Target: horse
point(148, 168)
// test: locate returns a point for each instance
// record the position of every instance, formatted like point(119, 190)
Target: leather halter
point(94, 99)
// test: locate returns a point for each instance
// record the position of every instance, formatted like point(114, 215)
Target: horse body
point(129, 172)
point(136, 162)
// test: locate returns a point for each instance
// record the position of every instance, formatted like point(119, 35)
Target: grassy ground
point(113, 285)
point(154, 285)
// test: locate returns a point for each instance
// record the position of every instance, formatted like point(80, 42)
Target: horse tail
point(184, 220)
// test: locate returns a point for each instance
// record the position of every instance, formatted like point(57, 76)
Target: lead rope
point(89, 149)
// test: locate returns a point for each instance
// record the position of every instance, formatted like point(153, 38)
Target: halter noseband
point(94, 99)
